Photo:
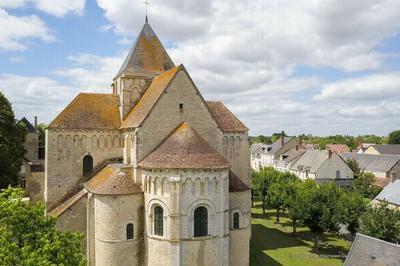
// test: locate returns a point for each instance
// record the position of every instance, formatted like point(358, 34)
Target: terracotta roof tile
point(236, 184)
point(89, 111)
point(225, 119)
point(147, 56)
point(115, 179)
point(149, 99)
point(184, 149)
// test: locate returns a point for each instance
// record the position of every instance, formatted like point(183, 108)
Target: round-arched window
point(158, 221)
point(236, 223)
point(201, 222)
point(129, 231)
point(87, 166)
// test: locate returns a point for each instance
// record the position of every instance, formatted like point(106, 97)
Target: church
point(151, 173)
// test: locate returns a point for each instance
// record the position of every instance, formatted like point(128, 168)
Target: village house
point(32, 170)
point(385, 168)
point(323, 166)
point(369, 251)
point(338, 148)
point(390, 194)
point(256, 152)
point(287, 159)
point(151, 173)
point(388, 149)
point(362, 147)
point(277, 148)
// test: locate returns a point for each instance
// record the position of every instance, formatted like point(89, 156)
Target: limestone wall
point(111, 216)
point(74, 219)
point(31, 146)
point(64, 158)
point(179, 193)
point(239, 239)
point(167, 115)
point(236, 149)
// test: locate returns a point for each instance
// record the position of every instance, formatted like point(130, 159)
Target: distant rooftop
point(390, 193)
point(369, 251)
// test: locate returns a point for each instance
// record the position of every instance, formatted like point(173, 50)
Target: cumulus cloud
point(16, 30)
point(27, 94)
point(57, 8)
point(371, 87)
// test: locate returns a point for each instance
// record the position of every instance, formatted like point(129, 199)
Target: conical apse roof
point(147, 56)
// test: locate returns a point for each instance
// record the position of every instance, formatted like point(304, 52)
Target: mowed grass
point(272, 244)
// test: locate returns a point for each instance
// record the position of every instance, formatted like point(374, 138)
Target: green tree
point(354, 166)
point(364, 185)
point(277, 194)
point(27, 237)
point(381, 222)
point(351, 206)
point(12, 150)
point(294, 202)
point(42, 134)
point(394, 137)
point(262, 180)
point(320, 209)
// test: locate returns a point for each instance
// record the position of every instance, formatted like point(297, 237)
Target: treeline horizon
point(353, 142)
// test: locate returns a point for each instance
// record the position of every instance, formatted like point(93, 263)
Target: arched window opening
point(200, 222)
point(158, 221)
point(236, 223)
point(129, 231)
point(87, 165)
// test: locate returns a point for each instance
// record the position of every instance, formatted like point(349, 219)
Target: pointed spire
point(147, 55)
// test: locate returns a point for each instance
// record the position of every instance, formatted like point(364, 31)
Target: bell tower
point(146, 59)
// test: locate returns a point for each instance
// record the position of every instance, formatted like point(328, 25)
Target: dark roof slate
point(369, 251)
point(390, 149)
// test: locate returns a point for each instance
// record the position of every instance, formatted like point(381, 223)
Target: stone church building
point(151, 174)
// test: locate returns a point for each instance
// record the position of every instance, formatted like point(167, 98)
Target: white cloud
point(12, 3)
point(372, 87)
point(27, 95)
point(15, 31)
point(60, 8)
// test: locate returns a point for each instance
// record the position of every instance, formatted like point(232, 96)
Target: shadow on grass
point(265, 238)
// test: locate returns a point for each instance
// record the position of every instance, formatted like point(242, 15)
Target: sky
point(314, 67)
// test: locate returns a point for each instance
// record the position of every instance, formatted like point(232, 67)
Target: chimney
point(282, 138)
point(330, 154)
point(297, 147)
point(35, 121)
point(300, 141)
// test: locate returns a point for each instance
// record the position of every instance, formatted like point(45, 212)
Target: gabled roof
point(369, 251)
point(149, 99)
point(184, 149)
point(276, 146)
point(225, 119)
point(236, 184)
point(147, 55)
point(311, 159)
point(372, 162)
point(293, 154)
point(389, 149)
point(338, 148)
point(390, 193)
point(28, 125)
point(115, 179)
point(89, 111)
point(257, 147)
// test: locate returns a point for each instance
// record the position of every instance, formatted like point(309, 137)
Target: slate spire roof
point(147, 55)
point(184, 149)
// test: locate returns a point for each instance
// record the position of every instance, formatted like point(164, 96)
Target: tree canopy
point(27, 237)
point(394, 137)
point(12, 137)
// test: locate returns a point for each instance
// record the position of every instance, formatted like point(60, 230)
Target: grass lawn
point(272, 244)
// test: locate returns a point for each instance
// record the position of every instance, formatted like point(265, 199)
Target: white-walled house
point(256, 151)
point(323, 166)
point(279, 147)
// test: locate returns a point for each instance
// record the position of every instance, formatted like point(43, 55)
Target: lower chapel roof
point(184, 149)
point(114, 179)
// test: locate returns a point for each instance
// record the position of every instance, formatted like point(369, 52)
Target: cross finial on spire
point(147, 3)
